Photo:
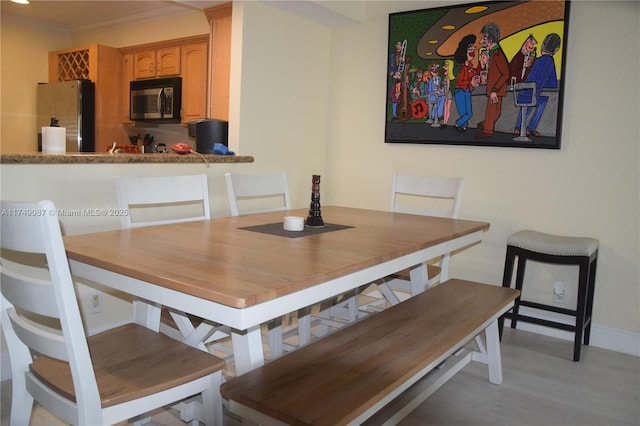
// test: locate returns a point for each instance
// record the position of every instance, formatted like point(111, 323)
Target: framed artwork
point(468, 74)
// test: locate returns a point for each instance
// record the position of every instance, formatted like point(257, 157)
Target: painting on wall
point(483, 74)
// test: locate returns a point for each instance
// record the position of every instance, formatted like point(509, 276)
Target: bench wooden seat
point(348, 376)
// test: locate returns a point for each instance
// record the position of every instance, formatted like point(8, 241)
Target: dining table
point(245, 271)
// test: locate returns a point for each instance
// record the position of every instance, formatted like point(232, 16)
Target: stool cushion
point(553, 244)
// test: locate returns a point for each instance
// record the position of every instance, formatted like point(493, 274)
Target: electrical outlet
point(559, 292)
point(95, 302)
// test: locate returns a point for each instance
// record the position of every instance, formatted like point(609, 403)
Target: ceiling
point(95, 15)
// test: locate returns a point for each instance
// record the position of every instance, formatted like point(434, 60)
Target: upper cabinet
point(186, 57)
point(194, 60)
point(219, 18)
point(127, 76)
point(154, 63)
point(203, 62)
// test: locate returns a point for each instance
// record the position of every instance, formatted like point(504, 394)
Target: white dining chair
point(119, 374)
point(159, 200)
point(426, 196)
point(251, 193)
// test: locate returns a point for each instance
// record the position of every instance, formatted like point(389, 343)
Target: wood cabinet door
point(220, 25)
point(109, 101)
point(144, 64)
point(194, 81)
point(168, 61)
point(127, 76)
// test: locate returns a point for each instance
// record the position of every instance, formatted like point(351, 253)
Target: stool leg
point(522, 261)
point(506, 281)
point(590, 293)
point(581, 307)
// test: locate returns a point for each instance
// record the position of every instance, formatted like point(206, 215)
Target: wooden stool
point(536, 246)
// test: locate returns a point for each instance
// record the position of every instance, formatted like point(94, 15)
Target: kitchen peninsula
point(120, 158)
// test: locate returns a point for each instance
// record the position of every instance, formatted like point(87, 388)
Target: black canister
point(209, 132)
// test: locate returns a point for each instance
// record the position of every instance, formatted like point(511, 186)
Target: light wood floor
point(542, 386)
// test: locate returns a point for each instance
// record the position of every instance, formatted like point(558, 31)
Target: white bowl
point(293, 223)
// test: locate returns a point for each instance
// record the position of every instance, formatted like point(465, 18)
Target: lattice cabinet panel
point(74, 65)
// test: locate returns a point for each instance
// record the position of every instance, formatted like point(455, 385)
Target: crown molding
point(152, 14)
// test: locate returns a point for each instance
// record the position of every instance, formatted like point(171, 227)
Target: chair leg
point(581, 307)
point(304, 326)
point(275, 337)
point(212, 401)
point(522, 262)
point(21, 403)
point(590, 294)
point(20, 358)
point(506, 281)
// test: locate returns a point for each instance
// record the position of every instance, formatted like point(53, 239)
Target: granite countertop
point(120, 158)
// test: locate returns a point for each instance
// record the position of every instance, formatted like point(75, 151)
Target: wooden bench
point(348, 376)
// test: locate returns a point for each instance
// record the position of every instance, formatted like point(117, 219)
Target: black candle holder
point(314, 219)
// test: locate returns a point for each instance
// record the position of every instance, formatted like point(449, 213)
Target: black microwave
point(158, 99)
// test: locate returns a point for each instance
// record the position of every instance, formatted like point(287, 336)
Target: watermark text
point(67, 212)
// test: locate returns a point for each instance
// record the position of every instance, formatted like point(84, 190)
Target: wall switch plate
point(95, 302)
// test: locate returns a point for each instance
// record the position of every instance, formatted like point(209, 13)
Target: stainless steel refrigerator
point(72, 103)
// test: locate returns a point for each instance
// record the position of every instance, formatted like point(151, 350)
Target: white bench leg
point(490, 354)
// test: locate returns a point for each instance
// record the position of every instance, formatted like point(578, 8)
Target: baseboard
point(604, 337)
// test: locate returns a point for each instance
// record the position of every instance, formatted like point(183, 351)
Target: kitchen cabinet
point(219, 18)
point(194, 62)
point(154, 63)
point(127, 76)
point(103, 66)
point(202, 61)
point(191, 64)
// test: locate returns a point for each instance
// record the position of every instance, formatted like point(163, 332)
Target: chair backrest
point(36, 280)
point(425, 195)
point(158, 200)
point(257, 193)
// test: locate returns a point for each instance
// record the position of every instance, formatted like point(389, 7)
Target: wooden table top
point(217, 261)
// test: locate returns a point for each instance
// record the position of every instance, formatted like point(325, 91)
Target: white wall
point(590, 187)
point(283, 90)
